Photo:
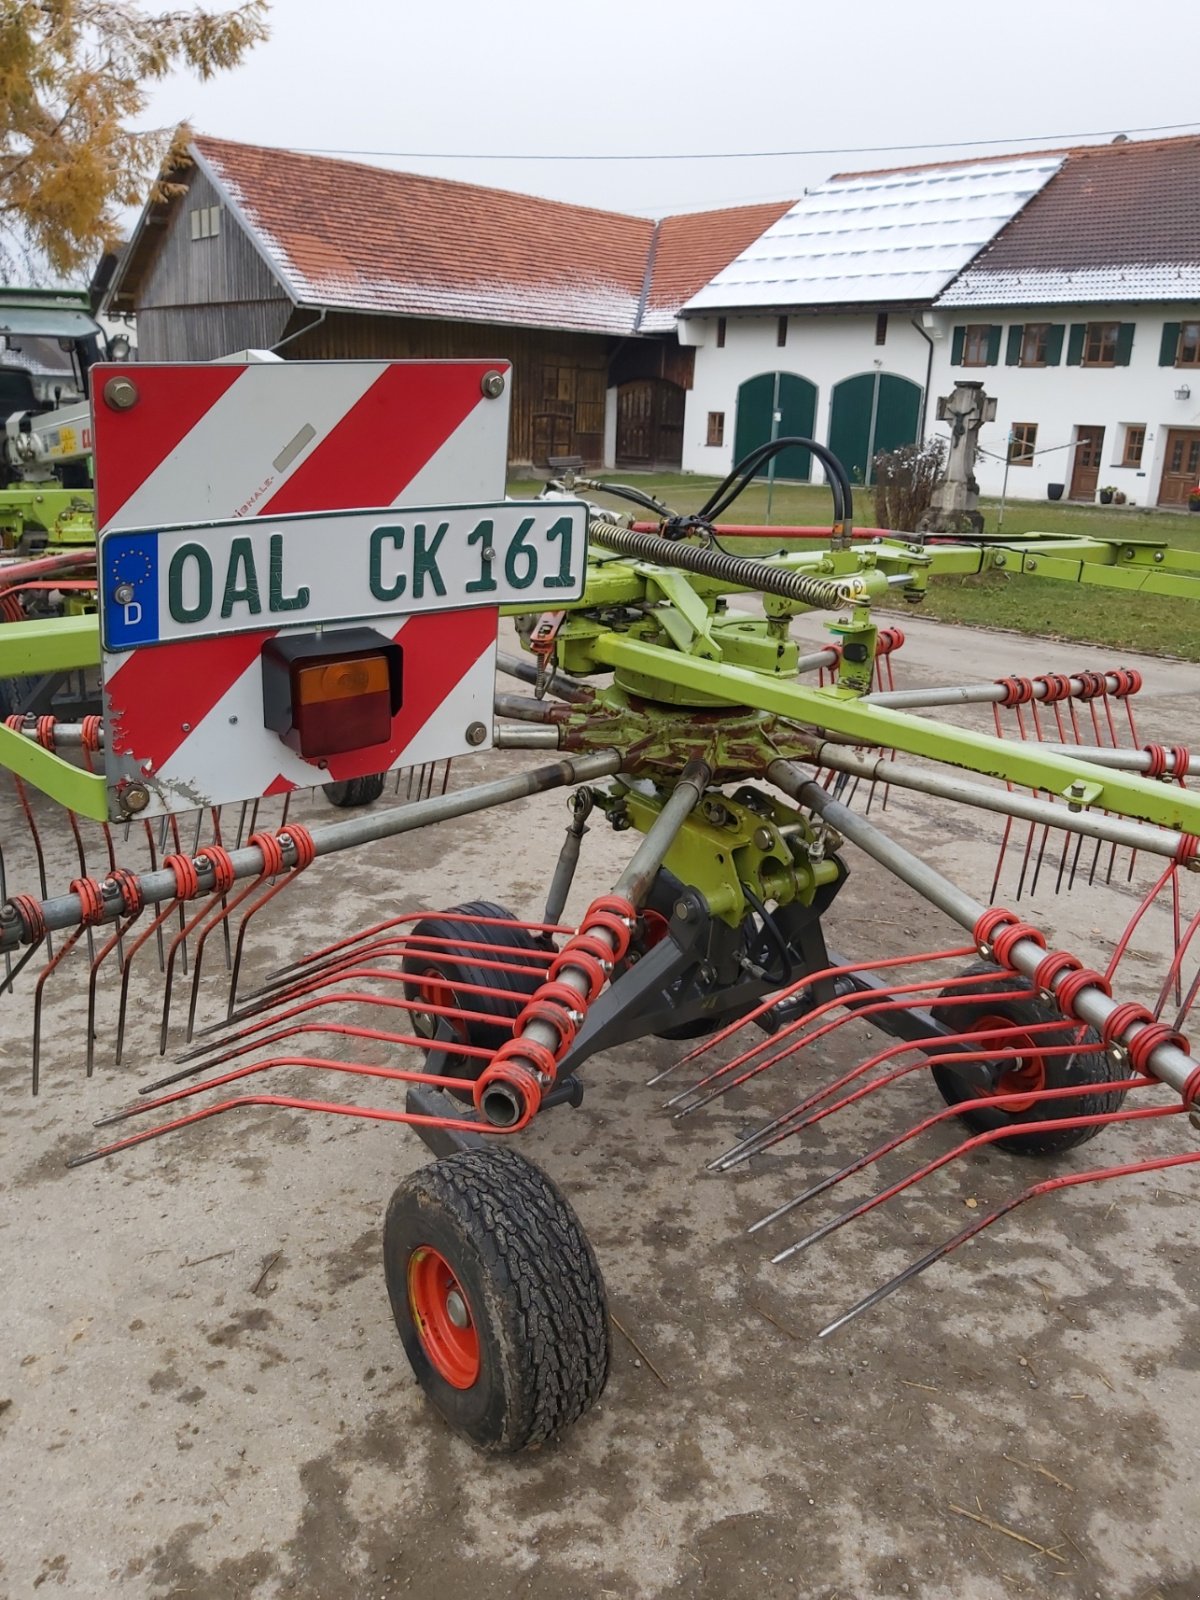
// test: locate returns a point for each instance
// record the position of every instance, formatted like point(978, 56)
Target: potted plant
point(1194, 498)
point(1119, 498)
point(1055, 491)
point(1106, 495)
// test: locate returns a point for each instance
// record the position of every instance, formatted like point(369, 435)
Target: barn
point(258, 248)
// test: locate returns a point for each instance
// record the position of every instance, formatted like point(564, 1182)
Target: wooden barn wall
point(654, 358)
point(202, 298)
point(202, 333)
point(559, 379)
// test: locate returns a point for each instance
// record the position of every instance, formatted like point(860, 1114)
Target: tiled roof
point(341, 234)
point(876, 239)
point(691, 248)
point(366, 239)
point(1119, 222)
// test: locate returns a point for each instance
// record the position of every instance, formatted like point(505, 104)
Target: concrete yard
point(203, 1397)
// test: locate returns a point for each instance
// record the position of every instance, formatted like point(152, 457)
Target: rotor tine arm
point(1092, 1120)
point(1047, 1186)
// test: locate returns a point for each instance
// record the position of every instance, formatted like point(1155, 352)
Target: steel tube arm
point(1168, 1063)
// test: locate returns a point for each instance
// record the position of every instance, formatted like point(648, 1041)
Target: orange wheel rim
point(435, 991)
point(442, 1314)
point(1024, 1074)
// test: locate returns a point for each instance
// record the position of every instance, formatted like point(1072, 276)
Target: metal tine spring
point(895, 998)
point(946, 1114)
point(801, 1116)
point(975, 1142)
point(973, 1229)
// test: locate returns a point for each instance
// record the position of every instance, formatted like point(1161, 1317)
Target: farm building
point(1067, 281)
point(331, 259)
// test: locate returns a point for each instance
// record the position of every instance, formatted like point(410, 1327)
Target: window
point(881, 327)
point(1022, 444)
point(1187, 352)
point(720, 333)
point(1033, 344)
point(1135, 443)
point(1100, 344)
point(976, 344)
point(206, 222)
point(716, 428)
point(781, 331)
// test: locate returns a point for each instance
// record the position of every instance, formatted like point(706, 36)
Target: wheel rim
point(435, 991)
point(442, 1314)
point(1024, 1074)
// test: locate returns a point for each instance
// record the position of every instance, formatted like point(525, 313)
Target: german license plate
point(160, 585)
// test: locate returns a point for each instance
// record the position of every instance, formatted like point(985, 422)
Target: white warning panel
point(266, 599)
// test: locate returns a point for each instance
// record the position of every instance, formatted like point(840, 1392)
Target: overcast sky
point(645, 77)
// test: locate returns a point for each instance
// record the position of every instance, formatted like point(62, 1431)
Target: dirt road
point(202, 1395)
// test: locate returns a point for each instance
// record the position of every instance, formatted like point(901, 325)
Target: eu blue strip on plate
point(130, 566)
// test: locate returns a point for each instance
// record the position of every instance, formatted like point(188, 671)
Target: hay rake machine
point(668, 680)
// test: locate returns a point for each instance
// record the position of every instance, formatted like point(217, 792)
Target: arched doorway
point(874, 411)
point(650, 424)
point(772, 406)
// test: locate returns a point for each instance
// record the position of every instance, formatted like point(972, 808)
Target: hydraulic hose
point(746, 572)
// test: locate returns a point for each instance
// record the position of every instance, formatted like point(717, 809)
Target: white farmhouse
point(1067, 281)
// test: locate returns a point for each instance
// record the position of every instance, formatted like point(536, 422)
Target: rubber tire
point(1091, 1065)
point(517, 983)
point(355, 791)
point(533, 1287)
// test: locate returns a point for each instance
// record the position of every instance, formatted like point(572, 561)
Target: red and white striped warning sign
point(186, 444)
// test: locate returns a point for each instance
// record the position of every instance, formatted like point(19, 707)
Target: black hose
point(727, 492)
point(771, 927)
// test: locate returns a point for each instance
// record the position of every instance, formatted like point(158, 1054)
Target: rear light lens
point(325, 694)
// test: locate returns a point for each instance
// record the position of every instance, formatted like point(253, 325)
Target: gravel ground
point(202, 1395)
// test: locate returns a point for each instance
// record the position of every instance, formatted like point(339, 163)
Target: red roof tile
point(342, 234)
point(693, 247)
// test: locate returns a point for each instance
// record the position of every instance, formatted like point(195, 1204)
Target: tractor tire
point(355, 791)
point(449, 969)
point(498, 1298)
point(1020, 1005)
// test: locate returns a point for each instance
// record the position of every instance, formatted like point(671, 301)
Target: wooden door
point(650, 423)
point(1181, 466)
point(1085, 474)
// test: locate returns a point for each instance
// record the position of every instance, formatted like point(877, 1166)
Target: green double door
point(773, 406)
point(873, 412)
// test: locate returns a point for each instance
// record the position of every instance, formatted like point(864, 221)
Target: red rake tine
point(1047, 1186)
point(380, 928)
point(984, 1102)
point(343, 997)
point(344, 974)
point(785, 1125)
point(1093, 1120)
point(400, 945)
point(800, 984)
point(291, 1103)
point(253, 1038)
point(276, 1063)
point(873, 1001)
point(341, 1029)
point(228, 908)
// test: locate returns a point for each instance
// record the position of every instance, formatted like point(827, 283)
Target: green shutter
point(1054, 343)
point(1169, 349)
point(1124, 343)
point(956, 348)
point(993, 345)
point(1012, 356)
point(1075, 344)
